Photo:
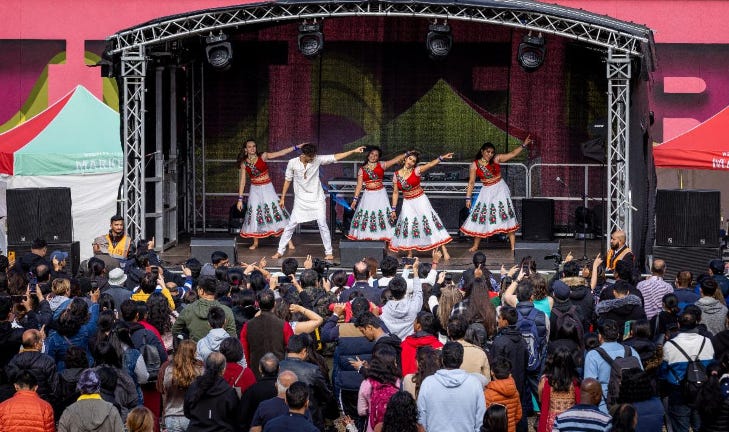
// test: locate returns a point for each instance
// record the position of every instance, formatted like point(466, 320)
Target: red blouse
point(258, 172)
point(410, 186)
point(488, 173)
point(373, 177)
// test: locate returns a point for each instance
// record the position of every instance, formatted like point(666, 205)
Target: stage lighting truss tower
point(622, 40)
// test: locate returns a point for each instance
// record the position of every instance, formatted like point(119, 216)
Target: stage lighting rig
point(531, 52)
point(311, 39)
point(439, 40)
point(219, 51)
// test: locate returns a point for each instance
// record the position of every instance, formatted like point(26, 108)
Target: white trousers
point(326, 237)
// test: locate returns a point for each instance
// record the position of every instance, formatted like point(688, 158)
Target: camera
point(32, 282)
point(94, 285)
point(408, 261)
point(556, 257)
point(283, 280)
point(155, 272)
point(448, 279)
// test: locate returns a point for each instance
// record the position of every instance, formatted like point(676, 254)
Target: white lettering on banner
point(94, 164)
point(719, 163)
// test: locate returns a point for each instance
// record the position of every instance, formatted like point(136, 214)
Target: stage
point(497, 251)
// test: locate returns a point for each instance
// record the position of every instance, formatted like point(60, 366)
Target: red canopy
point(704, 147)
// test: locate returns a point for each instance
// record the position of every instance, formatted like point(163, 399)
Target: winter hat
point(88, 382)
point(560, 290)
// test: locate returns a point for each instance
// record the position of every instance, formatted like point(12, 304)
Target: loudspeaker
point(447, 209)
point(39, 213)
point(538, 252)
point(694, 259)
point(688, 218)
point(537, 219)
point(352, 251)
point(72, 249)
point(203, 248)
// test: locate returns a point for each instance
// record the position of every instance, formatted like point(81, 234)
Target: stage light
point(439, 40)
point(311, 39)
point(531, 52)
point(219, 51)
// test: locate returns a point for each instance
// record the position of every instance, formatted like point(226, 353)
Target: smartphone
point(283, 280)
point(448, 279)
point(408, 261)
point(155, 272)
point(32, 282)
point(94, 285)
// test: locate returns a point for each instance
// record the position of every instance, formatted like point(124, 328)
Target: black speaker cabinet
point(688, 218)
point(39, 213)
point(538, 252)
point(203, 248)
point(537, 219)
point(694, 259)
point(352, 251)
point(72, 249)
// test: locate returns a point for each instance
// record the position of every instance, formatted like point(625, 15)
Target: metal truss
point(195, 178)
point(549, 19)
point(133, 73)
point(619, 203)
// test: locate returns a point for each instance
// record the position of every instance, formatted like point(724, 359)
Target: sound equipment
point(694, 259)
point(688, 218)
point(447, 209)
point(351, 252)
point(72, 249)
point(43, 213)
point(203, 248)
point(538, 252)
point(537, 219)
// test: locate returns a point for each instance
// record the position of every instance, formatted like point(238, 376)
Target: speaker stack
point(687, 230)
point(36, 213)
point(537, 232)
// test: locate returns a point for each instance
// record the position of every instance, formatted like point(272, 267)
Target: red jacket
point(26, 411)
point(410, 350)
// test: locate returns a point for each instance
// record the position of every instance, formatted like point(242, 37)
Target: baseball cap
point(58, 255)
point(561, 290)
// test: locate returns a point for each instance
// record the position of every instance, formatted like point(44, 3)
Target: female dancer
point(264, 217)
point(371, 220)
point(418, 227)
point(493, 212)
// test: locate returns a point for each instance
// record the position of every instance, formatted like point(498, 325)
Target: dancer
point(493, 212)
point(371, 221)
point(309, 198)
point(418, 227)
point(263, 216)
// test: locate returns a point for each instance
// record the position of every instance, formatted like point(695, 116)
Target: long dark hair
point(159, 312)
point(383, 365)
point(480, 309)
point(242, 154)
point(401, 414)
point(495, 419)
point(429, 362)
point(73, 318)
point(485, 146)
point(624, 418)
point(561, 370)
point(214, 367)
point(369, 150)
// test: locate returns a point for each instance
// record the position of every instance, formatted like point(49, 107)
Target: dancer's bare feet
point(329, 257)
point(254, 245)
point(291, 245)
point(276, 255)
point(476, 242)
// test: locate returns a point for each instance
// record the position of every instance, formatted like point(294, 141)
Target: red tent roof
point(704, 147)
point(17, 137)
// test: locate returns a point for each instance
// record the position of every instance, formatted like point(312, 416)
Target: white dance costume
point(371, 219)
point(493, 211)
point(263, 216)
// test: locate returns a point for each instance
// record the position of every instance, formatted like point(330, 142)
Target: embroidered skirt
point(492, 213)
point(371, 220)
point(418, 227)
point(263, 217)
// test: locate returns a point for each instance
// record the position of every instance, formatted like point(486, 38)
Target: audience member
point(585, 416)
point(90, 413)
point(26, 411)
point(210, 403)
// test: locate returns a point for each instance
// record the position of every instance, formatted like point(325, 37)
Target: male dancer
point(309, 198)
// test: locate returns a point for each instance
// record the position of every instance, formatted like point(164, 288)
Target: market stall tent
point(74, 143)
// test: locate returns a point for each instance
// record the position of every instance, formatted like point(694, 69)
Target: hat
point(88, 382)
point(58, 255)
point(101, 241)
point(560, 290)
point(117, 277)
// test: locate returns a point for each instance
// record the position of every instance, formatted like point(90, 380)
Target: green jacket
point(193, 320)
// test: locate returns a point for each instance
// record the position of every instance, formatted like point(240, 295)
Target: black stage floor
point(497, 250)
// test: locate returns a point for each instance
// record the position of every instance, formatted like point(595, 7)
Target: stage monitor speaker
point(352, 251)
point(43, 213)
point(203, 248)
point(688, 218)
point(537, 219)
point(71, 248)
point(538, 252)
point(694, 259)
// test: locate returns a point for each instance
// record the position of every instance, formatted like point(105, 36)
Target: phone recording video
point(283, 280)
point(408, 261)
point(32, 282)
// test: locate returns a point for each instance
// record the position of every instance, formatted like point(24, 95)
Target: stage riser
point(353, 251)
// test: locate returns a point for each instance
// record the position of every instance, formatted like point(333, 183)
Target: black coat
point(508, 343)
point(217, 410)
point(43, 368)
point(10, 341)
point(620, 310)
point(263, 389)
point(581, 296)
point(320, 392)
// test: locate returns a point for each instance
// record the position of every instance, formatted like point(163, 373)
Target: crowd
point(126, 344)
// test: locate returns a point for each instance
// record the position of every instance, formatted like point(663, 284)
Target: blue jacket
point(56, 345)
point(650, 415)
point(673, 366)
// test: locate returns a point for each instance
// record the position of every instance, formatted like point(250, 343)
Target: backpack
point(151, 358)
point(695, 374)
point(570, 315)
point(381, 394)
point(617, 366)
point(536, 345)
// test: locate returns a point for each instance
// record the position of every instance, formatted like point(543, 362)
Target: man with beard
point(619, 251)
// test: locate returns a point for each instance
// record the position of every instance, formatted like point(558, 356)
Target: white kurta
point(309, 197)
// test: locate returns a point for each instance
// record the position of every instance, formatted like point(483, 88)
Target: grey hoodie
point(713, 314)
point(90, 415)
point(451, 400)
point(210, 343)
point(399, 315)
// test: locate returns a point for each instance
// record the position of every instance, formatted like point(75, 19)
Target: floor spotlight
point(439, 40)
point(531, 52)
point(219, 51)
point(311, 39)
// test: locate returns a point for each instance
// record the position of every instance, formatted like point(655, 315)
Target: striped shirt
point(583, 418)
point(653, 290)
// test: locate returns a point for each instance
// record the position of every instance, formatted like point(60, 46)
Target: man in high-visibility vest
point(118, 241)
point(618, 251)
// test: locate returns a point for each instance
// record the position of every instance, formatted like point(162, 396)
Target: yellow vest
point(121, 249)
